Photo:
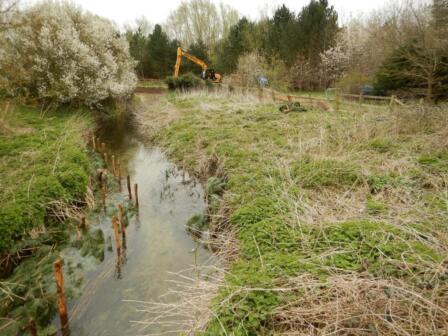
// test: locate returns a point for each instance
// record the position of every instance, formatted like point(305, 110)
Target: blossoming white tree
point(59, 53)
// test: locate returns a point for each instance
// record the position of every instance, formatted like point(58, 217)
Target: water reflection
point(153, 245)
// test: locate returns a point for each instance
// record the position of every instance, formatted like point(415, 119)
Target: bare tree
point(200, 20)
point(7, 10)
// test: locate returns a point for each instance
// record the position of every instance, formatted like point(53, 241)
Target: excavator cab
point(210, 74)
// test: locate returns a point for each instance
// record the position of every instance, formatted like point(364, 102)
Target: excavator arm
point(182, 53)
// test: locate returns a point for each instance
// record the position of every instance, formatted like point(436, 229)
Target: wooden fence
point(327, 103)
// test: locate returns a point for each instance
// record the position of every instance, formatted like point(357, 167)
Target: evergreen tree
point(239, 42)
point(161, 53)
point(139, 51)
point(283, 35)
point(318, 26)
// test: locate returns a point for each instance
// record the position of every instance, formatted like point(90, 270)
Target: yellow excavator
point(206, 72)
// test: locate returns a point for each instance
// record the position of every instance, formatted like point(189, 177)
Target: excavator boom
point(182, 53)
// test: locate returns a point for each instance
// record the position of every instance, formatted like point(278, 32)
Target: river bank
point(154, 246)
point(333, 212)
point(44, 171)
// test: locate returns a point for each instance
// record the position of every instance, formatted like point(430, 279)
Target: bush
point(353, 82)
point(61, 54)
point(183, 82)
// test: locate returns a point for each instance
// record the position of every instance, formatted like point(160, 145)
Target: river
point(157, 242)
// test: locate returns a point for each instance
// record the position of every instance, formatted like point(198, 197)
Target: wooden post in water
point(128, 179)
point(114, 168)
point(82, 224)
point(32, 327)
point(123, 227)
point(116, 235)
point(100, 179)
point(62, 304)
point(119, 175)
point(103, 195)
point(136, 195)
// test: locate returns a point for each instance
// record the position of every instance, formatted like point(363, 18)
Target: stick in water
point(32, 327)
point(62, 305)
point(119, 175)
point(136, 195)
point(114, 169)
point(116, 234)
point(129, 187)
point(123, 227)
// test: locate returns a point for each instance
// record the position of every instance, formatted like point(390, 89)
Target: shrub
point(183, 82)
point(353, 82)
point(61, 54)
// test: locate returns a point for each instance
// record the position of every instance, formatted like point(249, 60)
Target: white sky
point(126, 11)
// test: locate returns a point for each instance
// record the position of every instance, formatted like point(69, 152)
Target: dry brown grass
point(356, 305)
point(379, 142)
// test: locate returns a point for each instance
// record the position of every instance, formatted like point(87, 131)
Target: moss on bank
point(319, 194)
point(44, 161)
point(44, 169)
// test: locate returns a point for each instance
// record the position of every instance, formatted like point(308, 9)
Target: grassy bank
point(340, 216)
point(44, 173)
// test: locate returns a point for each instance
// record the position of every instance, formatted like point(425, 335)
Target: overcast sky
point(156, 11)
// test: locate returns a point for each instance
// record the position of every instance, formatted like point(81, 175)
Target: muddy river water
point(157, 242)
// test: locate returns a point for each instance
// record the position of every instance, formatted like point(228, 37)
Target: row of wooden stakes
point(120, 244)
point(116, 171)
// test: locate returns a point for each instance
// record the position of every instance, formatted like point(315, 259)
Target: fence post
point(392, 103)
point(337, 100)
point(93, 143)
point(273, 95)
point(361, 98)
point(62, 305)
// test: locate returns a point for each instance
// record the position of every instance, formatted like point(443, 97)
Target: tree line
point(399, 48)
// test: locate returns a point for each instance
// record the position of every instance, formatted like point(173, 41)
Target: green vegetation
point(44, 173)
point(43, 161)
point(318, 196)
point(183, 82)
